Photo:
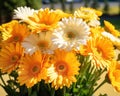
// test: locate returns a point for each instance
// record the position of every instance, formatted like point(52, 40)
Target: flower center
point(86, 12)
point(69, 36)
point(43, 44)
point(100, 51)
point(35, 69)
point(61, 67)
point(15, 58)
point(16, 38)
point(44, 29)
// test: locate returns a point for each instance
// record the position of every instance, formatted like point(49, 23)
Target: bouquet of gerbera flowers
point(52, 53)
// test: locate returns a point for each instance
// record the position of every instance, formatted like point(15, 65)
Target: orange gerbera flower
point(100, 49)
point(63, 69)
point(10, 57)
point(33, 69)
point(114, 74)
point(45, 20)
point(18, 33)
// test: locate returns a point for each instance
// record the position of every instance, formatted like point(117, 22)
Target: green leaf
point(34, 93)
point(67, 94)
point(75, 90)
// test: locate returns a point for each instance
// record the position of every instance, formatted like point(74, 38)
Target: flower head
point(14, 32)
point(40, 41)
point(10, 57)
point(87, 14)
point(71, 33)
point(110, 28)
point(33, 68)
point(44, 20)
point(101, 51)
point(114, 74)
point(63, 69)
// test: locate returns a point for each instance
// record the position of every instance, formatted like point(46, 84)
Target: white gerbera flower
point(71, 33)
point(111, 37)
point(23, 13)
point(38, 42)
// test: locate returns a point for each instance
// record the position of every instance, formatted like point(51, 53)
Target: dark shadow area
point(114, 19)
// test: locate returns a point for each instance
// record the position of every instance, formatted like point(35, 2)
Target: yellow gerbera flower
point(10, 57)
point(63, 69)
point(87, 14)
point(115, 40)
point(33, 69)
point(16, 32)
point(114, 74)
point(110, 28)
point(96, 31)
point(100, 49)
point(44, 20)
point(63, 14)
point(7, 28)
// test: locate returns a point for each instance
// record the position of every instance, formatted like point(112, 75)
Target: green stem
point(29, 91)
point(12, 86)
point(52, 92)
point(48, 86)
point(64, 91)
point(38, 87)
point(98, 74)
point(84, 69)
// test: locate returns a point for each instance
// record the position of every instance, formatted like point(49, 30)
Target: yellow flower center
point(15, 58)
point(86, 12)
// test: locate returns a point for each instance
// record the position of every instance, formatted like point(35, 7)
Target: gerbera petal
point(23, 13)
